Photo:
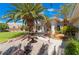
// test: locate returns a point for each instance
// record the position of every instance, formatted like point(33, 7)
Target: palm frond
point(9, 20)
point(17, 15)
point(7, 16)
point(24, 11)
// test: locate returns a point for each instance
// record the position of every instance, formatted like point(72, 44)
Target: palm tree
point(66, 9)
point(47, 23)
point(28, 12)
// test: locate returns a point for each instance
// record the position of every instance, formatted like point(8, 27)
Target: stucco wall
point(13, 27)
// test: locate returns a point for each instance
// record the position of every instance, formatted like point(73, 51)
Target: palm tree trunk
point(30, 24)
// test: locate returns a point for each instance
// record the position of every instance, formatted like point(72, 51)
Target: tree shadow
point(10, 50)
point(19, 51)
point(16, 39)
point(54, 52)
point(28, 48)
point(16, 50)
point(27, 37)
point(0, 52)
point(43, 50)
point(30, 37)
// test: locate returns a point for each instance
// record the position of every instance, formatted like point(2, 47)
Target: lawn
point(4, 36)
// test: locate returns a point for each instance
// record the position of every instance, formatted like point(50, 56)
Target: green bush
point(3, 27)
point(72, 48)
point(69, 30)
point(64, 29)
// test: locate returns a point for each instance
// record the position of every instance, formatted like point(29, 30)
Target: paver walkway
point(40, 47)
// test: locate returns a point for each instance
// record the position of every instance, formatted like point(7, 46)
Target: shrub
point(69, 30)
point(72, 48)
point(3, 27)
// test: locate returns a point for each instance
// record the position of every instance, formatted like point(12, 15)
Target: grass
point(4, 36)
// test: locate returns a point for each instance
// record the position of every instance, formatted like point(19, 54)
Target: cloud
point(41, 13)
point(60, 19)
point(50, 9)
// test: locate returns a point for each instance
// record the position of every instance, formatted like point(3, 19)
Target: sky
point(4, 7)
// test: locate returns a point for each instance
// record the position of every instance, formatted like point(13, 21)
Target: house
point(39, 26)
point(13, 27)
point(49, 25)
point(55, 25)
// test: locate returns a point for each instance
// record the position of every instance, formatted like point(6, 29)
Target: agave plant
point(28, 12)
